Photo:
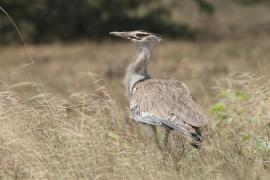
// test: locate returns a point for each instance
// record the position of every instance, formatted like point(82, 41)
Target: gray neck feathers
point(137, 70)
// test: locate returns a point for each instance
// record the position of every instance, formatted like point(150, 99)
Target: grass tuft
point(89, 136)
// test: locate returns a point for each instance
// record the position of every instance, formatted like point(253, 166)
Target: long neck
point(138, 67)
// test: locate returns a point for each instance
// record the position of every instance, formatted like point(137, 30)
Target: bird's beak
point(120, 34)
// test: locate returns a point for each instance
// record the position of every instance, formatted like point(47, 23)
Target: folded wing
point(166, 100)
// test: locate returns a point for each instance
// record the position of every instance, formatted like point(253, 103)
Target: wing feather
point(163, 98)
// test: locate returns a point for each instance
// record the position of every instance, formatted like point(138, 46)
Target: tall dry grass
point(88, 135)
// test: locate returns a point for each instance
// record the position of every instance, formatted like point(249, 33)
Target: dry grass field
point(65, 116)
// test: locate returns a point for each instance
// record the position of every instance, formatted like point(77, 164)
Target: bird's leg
point(154, 129)
point(166, 137)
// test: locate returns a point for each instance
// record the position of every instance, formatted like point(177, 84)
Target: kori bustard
point(159, 102)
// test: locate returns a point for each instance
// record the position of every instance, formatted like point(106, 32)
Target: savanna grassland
point(65, 116)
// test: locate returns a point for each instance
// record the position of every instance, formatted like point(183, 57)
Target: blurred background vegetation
point(51, 20)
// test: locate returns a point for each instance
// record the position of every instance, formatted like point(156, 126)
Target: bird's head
point(139, 37)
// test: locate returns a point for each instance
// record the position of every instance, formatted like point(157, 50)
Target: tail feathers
point(191, 133)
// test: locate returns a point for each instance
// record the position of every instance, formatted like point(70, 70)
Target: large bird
point(159, 102)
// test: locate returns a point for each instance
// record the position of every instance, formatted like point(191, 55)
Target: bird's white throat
point(137, 70)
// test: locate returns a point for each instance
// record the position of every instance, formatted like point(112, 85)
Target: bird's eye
point(141, 35)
